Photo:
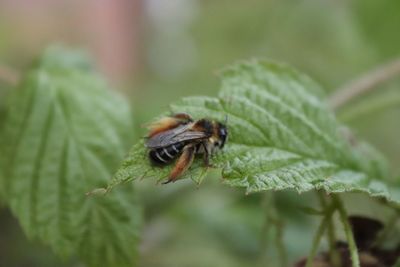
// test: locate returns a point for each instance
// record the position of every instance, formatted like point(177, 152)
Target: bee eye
point(222, 133)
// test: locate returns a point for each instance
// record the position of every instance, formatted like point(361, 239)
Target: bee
point(180, 137)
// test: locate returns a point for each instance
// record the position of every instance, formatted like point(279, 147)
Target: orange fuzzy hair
point(168, 123)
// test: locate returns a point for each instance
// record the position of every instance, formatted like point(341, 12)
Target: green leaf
point(65, 133)
point(282, 136)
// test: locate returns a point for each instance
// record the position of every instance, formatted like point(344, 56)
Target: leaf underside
point(64, 135)
point(282, 135)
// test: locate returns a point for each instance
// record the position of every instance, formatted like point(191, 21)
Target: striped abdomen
point(165, 155)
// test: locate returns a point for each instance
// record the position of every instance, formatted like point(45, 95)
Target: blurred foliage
point(217, 225)
point(64, 134)
point(2, 100)
point(331, 50)
point(14, 243)
point(379, 21)
point(333, 41)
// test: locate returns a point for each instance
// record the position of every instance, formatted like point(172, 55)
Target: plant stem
point(266, 227)
point(370, 106)
point(365, 83)
point(272, 218)
point(316, 240)
point(348, 231)
point(333, 254)
point(325, 223)
point(334, 257)
point(280, 244)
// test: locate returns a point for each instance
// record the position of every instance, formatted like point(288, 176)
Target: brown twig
point(8, 75)
point(365, 83)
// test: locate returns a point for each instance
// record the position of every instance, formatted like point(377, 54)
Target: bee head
point(222, 134)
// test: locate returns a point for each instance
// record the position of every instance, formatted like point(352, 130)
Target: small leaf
point(282, 136)
point(64, 135)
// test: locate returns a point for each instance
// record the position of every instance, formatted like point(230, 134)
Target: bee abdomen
point(165, 155)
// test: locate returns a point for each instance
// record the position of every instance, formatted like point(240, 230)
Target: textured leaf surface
point(282, 136)
point(64, 135)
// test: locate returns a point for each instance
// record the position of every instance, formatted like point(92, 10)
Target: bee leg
point(183, 163)
point(207, 156)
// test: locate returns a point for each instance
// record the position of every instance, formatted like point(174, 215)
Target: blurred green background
point(156, 51)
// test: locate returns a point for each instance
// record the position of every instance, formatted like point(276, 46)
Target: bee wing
point(173, 136)
point(167, 123)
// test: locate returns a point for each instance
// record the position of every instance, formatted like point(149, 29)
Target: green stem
point(266, 227)
point(333, 253)
point(272, 219)
point(280, 243)
point(366, 83)
point(348, 231)
point(334, 257)
point(316, 240)
point(371, 106)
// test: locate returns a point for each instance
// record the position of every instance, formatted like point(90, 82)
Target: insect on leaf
point(282, 135)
